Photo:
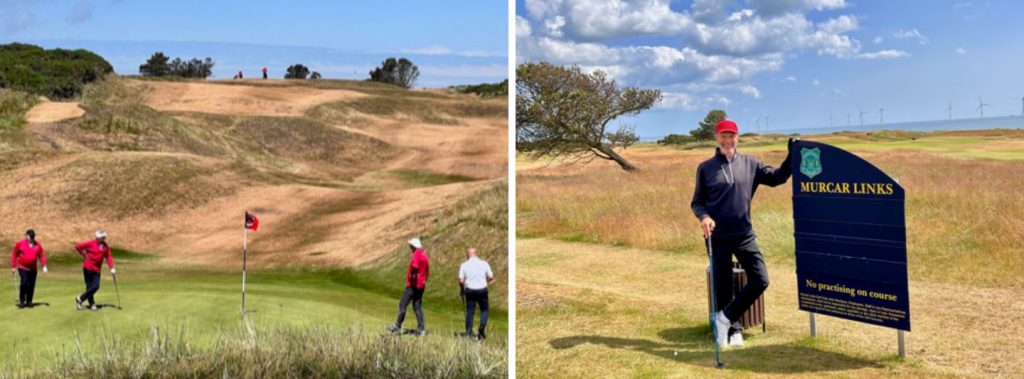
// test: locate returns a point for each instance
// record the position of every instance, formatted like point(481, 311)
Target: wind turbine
point(981, 107)
point(881, 116)
point(830, 119)
point(847, 119)
point(862, 113)
point(949, 110)
point(1022, 107)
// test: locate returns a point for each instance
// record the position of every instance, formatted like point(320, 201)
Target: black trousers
point(415, 295)
point(28, 286)
point(92, 284)
point(473, 299)
point(749, 256)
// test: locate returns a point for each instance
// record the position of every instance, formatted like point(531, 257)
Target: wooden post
point(245, 241)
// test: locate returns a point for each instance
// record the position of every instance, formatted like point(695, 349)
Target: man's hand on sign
point(707, 225)
point(792, 142)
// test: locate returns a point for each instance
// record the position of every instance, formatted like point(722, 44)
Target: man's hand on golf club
point(113, 272)
point(44, 269)
point(707, 225)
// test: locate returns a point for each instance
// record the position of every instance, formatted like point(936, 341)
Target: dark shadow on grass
point(692, 345)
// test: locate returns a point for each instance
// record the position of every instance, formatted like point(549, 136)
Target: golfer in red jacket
point(23, 260)
point(94, 251)
point(415, 284)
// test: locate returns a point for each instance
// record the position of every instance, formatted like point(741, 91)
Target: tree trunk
point(617, 158)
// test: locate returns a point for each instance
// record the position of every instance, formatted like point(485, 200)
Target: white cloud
point(884, 54)
point(879, 39)
point(676, 101)
point(791, 78)
point(961, 5)
point(911, 34)
point(815, 82)
point(751, 91)
point(715, 47)
point(523, 29)
point(960, 51)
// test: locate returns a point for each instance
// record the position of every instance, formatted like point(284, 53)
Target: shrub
point(56, 73)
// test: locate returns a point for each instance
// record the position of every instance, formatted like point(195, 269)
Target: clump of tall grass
point(251, 352)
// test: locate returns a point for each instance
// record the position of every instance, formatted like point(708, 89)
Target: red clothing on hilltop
point(94, 254)
point(419, 264)
point(24, 256)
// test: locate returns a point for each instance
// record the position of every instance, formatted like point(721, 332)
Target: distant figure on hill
point(23, 260)
point(474, 274)
point(264, 72)
point(240, 75)
point(94, 251)
point(415, 284)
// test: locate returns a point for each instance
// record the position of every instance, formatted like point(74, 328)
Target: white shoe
point(721, 328)
point(736, 340)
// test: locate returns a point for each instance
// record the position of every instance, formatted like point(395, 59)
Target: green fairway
point(207, 303)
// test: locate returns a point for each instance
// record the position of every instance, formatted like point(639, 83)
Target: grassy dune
point(637, 308)
point(159, 175)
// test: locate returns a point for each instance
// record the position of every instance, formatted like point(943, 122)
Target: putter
point(118, 291)
point(714, 330)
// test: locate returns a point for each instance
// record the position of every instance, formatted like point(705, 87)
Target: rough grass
point(315, 352)
point(481, 221)
point(955, 228)
point(428, 178)
point(432, 111)
point(13, 107)
point(157, 184)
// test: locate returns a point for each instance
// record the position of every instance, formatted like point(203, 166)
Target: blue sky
point(792, 62)
point(453, 42)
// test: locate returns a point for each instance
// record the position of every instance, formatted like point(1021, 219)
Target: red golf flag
point(251, 222)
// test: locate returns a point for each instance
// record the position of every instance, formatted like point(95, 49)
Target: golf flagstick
point(245, 241)
point(714, 309)
point(117, 290)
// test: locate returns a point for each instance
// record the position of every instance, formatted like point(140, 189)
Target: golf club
point(714, 330)
point(17, 288)
point(118, 291)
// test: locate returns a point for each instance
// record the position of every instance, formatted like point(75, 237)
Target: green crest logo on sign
point(810, 162)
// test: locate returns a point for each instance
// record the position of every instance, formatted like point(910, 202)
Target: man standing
point(721, 201)
point(474, 274)
point(264, 73)
point(415, 284)
point(94, 251)
point(23, 259)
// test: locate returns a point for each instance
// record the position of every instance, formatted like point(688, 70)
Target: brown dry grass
point(169, 167)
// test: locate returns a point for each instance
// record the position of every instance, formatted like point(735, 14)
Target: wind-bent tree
point(400, 72)
point(563, 112)
point(706, 129)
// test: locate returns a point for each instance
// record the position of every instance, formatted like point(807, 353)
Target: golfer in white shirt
point(474, 274)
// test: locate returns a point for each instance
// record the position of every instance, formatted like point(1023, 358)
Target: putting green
point(205, 302)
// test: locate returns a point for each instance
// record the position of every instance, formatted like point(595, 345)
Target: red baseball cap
point(726, 126)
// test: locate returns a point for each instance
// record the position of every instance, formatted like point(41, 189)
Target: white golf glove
point(113, 272)
point(44, 269)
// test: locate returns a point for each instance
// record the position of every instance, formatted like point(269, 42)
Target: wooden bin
point(754, 316)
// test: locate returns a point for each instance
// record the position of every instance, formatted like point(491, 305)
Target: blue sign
point(851, 237)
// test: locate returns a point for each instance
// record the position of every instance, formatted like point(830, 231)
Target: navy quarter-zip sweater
point(724, 190)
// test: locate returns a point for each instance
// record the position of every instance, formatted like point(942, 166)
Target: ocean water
point(1007, 122)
